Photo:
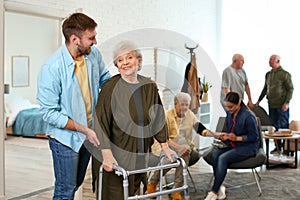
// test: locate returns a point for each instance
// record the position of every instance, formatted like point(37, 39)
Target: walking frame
point(122, 172)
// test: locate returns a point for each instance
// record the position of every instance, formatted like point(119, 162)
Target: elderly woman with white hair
point(181, 122)
point(130, 116)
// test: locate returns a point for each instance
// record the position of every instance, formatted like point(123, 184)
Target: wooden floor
point(28, 167)
point(29, 172)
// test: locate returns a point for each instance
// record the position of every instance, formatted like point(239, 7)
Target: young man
point(68, 87)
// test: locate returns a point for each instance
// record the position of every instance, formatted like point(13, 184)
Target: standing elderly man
point(234, 79)
point(279, 90)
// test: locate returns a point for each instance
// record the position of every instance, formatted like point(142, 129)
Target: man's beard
point(82, 50)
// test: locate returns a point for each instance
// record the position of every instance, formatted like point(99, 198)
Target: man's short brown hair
point(76, 24)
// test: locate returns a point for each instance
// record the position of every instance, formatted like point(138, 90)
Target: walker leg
point(100, 183)
point(125, 188)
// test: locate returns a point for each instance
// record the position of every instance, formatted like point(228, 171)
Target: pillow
point(9, 102)
point(17, 105)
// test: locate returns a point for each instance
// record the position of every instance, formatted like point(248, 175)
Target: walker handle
point(118, 170)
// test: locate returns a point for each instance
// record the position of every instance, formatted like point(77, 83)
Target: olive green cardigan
point(117, 117)
point(278, 87)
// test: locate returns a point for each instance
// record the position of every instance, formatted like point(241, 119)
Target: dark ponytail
point(234, 98)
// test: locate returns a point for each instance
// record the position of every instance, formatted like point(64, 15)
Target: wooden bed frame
point(10, 132)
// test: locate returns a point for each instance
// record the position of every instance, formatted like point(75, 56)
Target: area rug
point(283, 184)
point(276, 184)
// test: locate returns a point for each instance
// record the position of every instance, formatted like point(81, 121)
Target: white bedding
point(14, 105)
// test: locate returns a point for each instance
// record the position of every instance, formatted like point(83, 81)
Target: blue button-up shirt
point(60, 97)
point(246, 126)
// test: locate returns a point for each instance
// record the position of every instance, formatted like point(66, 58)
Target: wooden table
point(291, 161)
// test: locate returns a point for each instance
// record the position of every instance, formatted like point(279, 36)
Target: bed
point(23, 118)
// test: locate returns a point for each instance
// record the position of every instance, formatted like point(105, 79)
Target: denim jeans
point(221, 159)
point(279, 119)
point(69, 169)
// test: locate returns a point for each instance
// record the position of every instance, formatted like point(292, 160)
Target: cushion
point(295, 125)
point(252, 162)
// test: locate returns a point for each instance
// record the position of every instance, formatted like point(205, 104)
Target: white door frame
point(17, 7)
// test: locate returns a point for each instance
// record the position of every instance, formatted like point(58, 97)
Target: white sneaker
point(222, 193)
point(211, 196)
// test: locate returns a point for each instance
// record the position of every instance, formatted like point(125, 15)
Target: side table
point(291, 161)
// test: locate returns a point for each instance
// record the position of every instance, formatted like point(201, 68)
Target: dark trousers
point(280, 120)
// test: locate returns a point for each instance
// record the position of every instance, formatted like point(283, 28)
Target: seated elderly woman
point(181, 121)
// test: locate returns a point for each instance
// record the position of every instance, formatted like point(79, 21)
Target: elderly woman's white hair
point(182, 96)
point(126, 47)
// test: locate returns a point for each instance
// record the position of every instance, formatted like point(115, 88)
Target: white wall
point(257, 29)
point(194, 19)
point(32, 36)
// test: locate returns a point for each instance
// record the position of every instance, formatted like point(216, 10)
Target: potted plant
point(205, 86)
